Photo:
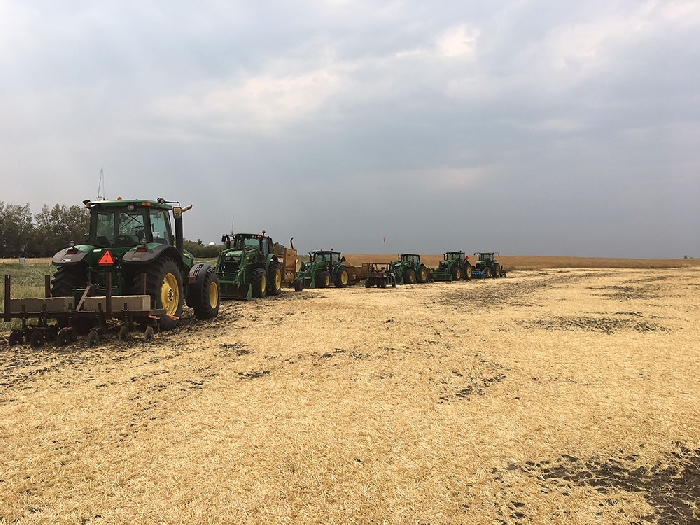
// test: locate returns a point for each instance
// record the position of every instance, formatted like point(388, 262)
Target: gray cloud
point(530, 128)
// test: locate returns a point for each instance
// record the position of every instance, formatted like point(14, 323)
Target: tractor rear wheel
point(487, 273)
point(274, 280)
point(164, 285)
point(410, 276)
point(342, 277)
point(496, 271)
point(369, 282)
point(68, 278)
point(456, 273)
point(468, 272)
point(259, 282)
point(203, 295)
point(422, 275)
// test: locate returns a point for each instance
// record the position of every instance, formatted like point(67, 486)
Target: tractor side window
point(238, 243)
point(160, 226)
point(104, 232)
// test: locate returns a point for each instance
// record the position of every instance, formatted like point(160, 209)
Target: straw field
point(551, 396)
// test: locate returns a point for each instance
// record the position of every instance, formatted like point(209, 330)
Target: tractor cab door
point(160, 227)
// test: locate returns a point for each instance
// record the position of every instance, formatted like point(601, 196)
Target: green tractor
point(487, 266)
point(453, 267)
point(248, 267)
point(324, 267)
point(410, 270)
point(131, 245)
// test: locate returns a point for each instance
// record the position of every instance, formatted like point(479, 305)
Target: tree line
point(49, 231)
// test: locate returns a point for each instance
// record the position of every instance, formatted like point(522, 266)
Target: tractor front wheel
point(456, 273)
point(422, 275)
point(409, 277)
point(468, 273)
point(259, 282)
point(203, 295)
point(164, 285)
point(342, 277)
point(487, 273)
point(323, 280)
point(298, 285)
point(274, 280)
point(496, 270)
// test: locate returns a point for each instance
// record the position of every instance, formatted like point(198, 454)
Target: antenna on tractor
point(101, 195)
point(233, 215)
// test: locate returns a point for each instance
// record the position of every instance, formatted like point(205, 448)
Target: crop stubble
point(550, 396)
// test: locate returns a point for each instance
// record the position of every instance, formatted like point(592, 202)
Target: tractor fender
point(135, 258)
point(63, 258)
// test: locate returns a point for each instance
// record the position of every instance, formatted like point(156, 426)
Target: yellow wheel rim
point(459, 273)
point(328, 280)
point(423, 274)
point(263, 284)
point(213, 294)
point(278, 279)
point(344, 277)
point(170, 294)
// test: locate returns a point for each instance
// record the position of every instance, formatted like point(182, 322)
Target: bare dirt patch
point(562, 396)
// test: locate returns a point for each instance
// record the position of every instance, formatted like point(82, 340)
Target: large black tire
point(67, 278)
point(342, 277)
point(422, 274)
point(496, 270)
point(274, 280)
point(203, 295)
point(259, 282)
point(323, 279)
point(487, 274)
point(298, 285)
point(164, 285)
point(410, 276)
point(456, 273)
point(467, 272)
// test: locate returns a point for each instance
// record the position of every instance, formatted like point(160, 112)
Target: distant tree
point(56, 227)
point(201, 250)
point(15, 230)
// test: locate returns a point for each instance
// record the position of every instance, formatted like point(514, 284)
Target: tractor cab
point(247, 241)
point(455, 256)
point(329, 257)
point(124, 224)
point(411, 258)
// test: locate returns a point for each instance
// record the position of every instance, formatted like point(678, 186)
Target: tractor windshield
point(117, 227)
point(410, 258)
point(241, 242)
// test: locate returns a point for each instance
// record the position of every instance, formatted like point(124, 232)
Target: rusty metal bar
point(109, 293)
point(7, 316)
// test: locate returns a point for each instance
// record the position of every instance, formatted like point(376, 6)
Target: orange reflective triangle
point(107, 259)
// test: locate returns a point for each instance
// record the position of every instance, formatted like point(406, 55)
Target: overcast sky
point(526, 127)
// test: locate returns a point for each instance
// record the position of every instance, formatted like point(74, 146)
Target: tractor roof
point(159, 204)
point(250, 235)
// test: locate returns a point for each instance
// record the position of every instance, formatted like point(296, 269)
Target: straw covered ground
point(550, 396)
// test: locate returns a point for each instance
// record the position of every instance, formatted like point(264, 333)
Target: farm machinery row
point(133, 271)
